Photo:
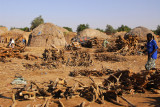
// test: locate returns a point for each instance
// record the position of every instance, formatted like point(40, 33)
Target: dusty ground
point(9, 69)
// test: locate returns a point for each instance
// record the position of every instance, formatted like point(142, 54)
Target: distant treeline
point(108, 30)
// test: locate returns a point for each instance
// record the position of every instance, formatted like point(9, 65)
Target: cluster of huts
point(48, 34)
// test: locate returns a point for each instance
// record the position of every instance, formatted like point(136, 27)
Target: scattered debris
point(19, 80)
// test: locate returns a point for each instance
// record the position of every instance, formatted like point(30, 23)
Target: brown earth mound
point(141, 32)
point(68, 36)
point(47, 34)
point(92, 33)
point(122, 33)
point(3, 30)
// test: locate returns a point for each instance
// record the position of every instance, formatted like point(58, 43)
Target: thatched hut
point(93, 33)
point(68, 36)
point(46, 35)
point(3, 30)
point(122, 33)
point(15, 34)
point(141, 32)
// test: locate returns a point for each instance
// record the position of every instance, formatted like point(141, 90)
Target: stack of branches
point(11, 52)
point(33, 66)
point(30, 57)
point(14, 53)
point(97, 73)
point(138, 82)
point(96, 43)
point(60, 89)
point(52, 89)
point(53, 57)
point(107, 57)
point(79, 58)
point(112, 88)
point(129, 45)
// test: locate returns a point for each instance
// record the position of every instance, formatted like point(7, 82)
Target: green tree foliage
point(110, 30)
point(26, 29)
point(68, 28)
point(2, 26)
point(101, 30)
point(13, 28)
point(123, 28)
point(157, 31)
point(81, 27)
point(36, 22)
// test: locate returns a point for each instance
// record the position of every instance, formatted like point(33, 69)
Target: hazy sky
point(71, 13)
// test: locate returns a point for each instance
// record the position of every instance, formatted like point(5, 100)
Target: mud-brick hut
point(142, 32)
point(91, 38)
point(15, 34)
point(47, 35)
point(2, 31)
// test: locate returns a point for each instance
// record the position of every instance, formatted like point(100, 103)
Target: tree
point(36, 22)
point(12, 28)
point(2, 26)
point(26, 29)
point(81, 27)
point(157, 31)
point(110, 30)
point(69, 29)
point(123, 28)
point(101, 30)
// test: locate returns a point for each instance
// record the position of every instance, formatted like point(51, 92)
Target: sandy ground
point(9, 69)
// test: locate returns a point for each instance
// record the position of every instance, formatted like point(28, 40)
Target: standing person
point(24, 41)
point(152, 52)
point(105, 42)
point(12, 43)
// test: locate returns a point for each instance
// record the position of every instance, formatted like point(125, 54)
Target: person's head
point(149, 37)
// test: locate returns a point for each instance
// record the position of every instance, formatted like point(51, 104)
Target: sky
point(71, 13)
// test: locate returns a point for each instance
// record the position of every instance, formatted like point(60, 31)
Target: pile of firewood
point(53, 57)
point(32, 66)
point(60, 89)
point(138, 82)
point(108, 57)
point(97, 73)
point(129, 45)
point(79, 58)
point(11, 52)
point(14, 53)
point(112, 88)
point(125, 80)
point(97, 43)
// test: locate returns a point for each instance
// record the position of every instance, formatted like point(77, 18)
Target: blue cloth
point(151, 46)
point(23, 40)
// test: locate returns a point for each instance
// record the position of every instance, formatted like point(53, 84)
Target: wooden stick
point(127, 101)
point(61, 104)
point(14, 101)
